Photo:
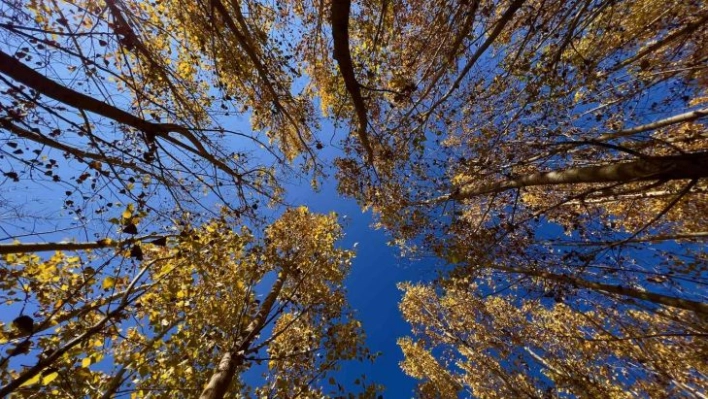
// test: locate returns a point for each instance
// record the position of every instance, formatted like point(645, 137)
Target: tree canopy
point(551, 154)
point(205, 306)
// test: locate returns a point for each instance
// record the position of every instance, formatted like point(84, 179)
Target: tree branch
point(20, 72)
point(685, 117)
point(689, 166)
point(340, 35)
point(20, 248)
point(694, 306)
point(221, 379)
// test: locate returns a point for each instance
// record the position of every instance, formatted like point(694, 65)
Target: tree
point(121, 104)
point(554, 147)
point(197, 314)
point(126, 102)
point(494, 347)
point(543, 126)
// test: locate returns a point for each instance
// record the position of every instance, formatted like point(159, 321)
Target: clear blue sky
point(371, 286)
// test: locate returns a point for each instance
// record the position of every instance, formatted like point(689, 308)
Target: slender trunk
point(678, 167)
point(692, 236)
point(115, 383)
point(544, 362)
point(685, 117)
point(20, 72)
point(243, 37)
point(687, 30)
point(125, 28)
point(500, 24)
point(339, 11)
point(245, 44)
point(603, 199)
point(230, 361)
point(587, 388)
point(694, 306)
point(690, 390)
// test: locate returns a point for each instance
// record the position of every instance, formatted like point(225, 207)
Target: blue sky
point(371, 286)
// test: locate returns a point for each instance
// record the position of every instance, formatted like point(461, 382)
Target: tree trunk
point(20, 72)
point(339, 11)
point(694, 306)
point(230, 361)
point(685, 117)
point(678, 167)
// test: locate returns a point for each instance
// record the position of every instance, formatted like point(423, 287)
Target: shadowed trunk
point(340, 36)
point(20, 72)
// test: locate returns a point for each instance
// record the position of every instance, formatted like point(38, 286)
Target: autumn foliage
point(552, 155)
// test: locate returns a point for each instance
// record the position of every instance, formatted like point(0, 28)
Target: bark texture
point(679, 167)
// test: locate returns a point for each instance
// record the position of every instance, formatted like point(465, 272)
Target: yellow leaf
point(698, 101)
point(86, 362)
point(32, 380)
point(108, 283)
point(49, 378)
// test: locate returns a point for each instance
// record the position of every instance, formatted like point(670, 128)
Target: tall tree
point(544, 127)
point(557, 147)
point(549, 147)
point(131, 102)
point(198, 313)
point(500, 347)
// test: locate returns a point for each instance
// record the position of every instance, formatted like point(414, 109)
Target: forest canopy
point(551, 156)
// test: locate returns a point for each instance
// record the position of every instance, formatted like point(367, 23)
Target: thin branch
point(663, 212)
point(685, 117)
